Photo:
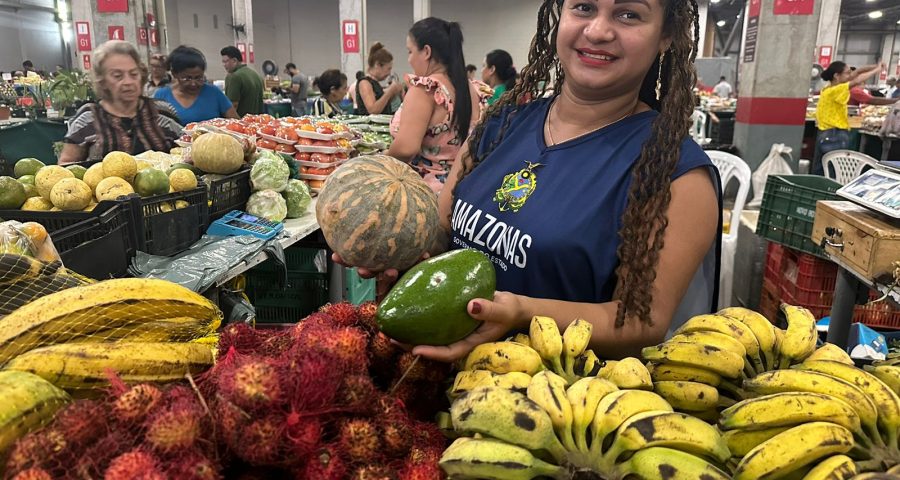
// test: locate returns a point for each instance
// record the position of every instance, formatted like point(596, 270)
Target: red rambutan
point(253, 383)
point(192, 466)
point(326, 464)
point(33, 474)
point(348, 346)
point(361, 440)
point(82, 422)
point(374, 472)
point(97, 457)
point(316, 319)
point(260, 441)
point(343, 313)
point(229, 419)
point(240, 336)
point(357, 392)
point(396, 436)
point(419, 455)
point(134, 465)
point(177, 427)
point(304, 434)
point(313, 382)
point(422, 471)
point(134, 404)
point(367, 312)
point(382, 350)
point(35, 450)
point(421, 369)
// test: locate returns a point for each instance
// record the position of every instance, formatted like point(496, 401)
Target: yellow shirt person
point(831, 111)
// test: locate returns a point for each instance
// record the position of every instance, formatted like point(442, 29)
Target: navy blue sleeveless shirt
point(561, 243)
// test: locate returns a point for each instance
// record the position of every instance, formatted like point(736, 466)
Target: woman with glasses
point(122, 119)
point(159, 77)
point(193, 98)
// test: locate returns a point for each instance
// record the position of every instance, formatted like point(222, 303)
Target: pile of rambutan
point(138, 432)
point(321, 400)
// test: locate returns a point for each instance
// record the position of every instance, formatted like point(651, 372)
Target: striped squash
point(27, 403)
point(376, 212)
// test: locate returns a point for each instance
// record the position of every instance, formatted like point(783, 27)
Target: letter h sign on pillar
point(350, 36)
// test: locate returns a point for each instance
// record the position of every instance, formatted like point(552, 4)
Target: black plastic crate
point(229, 193)
point(169, 230)
point(98, 244)
point(302, 295)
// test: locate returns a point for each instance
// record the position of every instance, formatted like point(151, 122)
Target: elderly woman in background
point(194, 99)
point(122, 119)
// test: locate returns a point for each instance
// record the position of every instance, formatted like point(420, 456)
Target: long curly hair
point(649, 194)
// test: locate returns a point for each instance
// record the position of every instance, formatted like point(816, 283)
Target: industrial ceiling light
point(720, 23)
point(714, 1)
point(876, 14)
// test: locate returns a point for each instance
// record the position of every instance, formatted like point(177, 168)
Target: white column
point(421, 9)
point(829, 27)
point(242, 11)
point(887, 54)
point(353, 11)
point(703, 10)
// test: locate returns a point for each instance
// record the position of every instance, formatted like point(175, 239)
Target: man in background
point(723, 88)
point(299, 89)
point(243, 86)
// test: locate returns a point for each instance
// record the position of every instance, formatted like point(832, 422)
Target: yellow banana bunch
point(492, 459)
point(660, 372)
point(467, 380)
point(789, 409)
point(670, 464)
point(741, 442)
point(731, 328)
point(722, 362)
point(576, 338)
point(835, 467)
point(508, 416)
point(762, 329)
point(628, 373)
point(548, 342)
point(832, 352)
point(585, 396)
point(504, 357)
point(888, 374)
point(688, 396)
point(800, 337)
point(521, 338)
point(794, 449)
point(548, 390)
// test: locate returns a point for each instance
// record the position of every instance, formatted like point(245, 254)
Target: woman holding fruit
point(123, 119)
point(442, 104)
point(371, 97)
point(193, 98)
point(620, 220)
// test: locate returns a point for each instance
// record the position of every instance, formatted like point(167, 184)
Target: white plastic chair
point(846, 164)
point(730, 167)
point(698, 129)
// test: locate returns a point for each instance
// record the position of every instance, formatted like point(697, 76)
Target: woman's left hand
point(498, 317)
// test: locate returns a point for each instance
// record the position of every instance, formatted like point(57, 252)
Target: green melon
point(12, 193)
point(150, 181)
point(27, 166)
point(77, 170)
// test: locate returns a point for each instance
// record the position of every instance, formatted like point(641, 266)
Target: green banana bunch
point(576, 338)
point(506, 415)
point(467, 380)
point(779, 381)
point(616, 408)
point(665, 463)
point(548, 390)
point(886, 401)
point(504, 357)
point(800, 336)
point(835, 467)
point(666, 429)
point(492, 459)
point(628, 373)
point(725, 363)
point(661, 372)
point(585, 396)
point(762, 329)
point(794, 449)
point(688, 396)
point(732, 328)
point(788, 409)
point(548, 342)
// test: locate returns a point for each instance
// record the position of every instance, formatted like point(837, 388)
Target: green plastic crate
point(789, 209)
point(358, 290)
point(303, 294)
point(298, 259)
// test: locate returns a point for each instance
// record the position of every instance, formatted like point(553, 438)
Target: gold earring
point(662, 57)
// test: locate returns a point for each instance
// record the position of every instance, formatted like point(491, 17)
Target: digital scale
point(236, 223)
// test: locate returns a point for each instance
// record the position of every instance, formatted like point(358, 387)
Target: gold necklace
point(550, 131)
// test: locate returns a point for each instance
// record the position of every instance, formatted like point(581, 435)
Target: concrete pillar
point(242, 13)
point(776, 55)
point(887, 55)
point(829, 28)
point(133, 25)
point(703, 10)
point(421, 9)
point(353, 19)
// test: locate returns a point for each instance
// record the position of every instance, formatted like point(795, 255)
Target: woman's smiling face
point(606, 47)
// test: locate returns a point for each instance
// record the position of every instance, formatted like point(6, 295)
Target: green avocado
point(427, 306)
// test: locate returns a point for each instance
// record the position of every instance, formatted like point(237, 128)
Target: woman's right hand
point(394, 89)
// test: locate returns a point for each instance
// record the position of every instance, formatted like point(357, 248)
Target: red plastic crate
point(769, 300)
point(774, 254)
point(808, 280)
point(880, 315)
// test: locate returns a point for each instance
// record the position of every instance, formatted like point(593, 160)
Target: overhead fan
point(269, 68)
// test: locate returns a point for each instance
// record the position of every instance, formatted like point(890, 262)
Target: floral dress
point(441, 142)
